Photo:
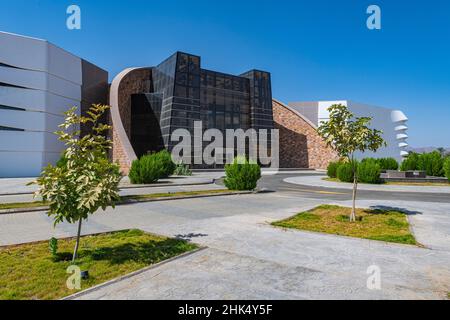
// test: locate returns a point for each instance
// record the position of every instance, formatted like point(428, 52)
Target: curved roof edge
point(296, 112)
point(115, 113)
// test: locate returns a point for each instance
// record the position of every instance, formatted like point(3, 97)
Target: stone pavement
point(318, 181)
point(246, 258)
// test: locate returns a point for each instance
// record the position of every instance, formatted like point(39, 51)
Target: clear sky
point(315, 50)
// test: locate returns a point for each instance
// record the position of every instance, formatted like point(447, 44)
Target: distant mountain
point(425, 149)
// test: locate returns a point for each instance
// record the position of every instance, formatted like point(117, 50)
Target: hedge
point(332, 169)
point(369, 172)
point(447, 168)
point(152, 167)
point(345, 172)
point(242, 175)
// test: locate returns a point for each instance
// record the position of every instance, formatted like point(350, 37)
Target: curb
point(133, 201)
point(138, 186)
point(369, 187)
point(132, 274)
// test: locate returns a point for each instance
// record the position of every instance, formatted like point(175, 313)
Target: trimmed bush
point(369, 172)
point(345, 172)
point(388, 164)
point(242, 175)
point(148, 169)
point(332, 169)
point(384, 163)
point(152, 167)
point(411, 162)
point(447, 168)
point(167, 165)
point(432, 163)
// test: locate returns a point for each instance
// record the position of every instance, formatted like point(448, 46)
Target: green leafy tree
point(86, 180)
point(348, 135)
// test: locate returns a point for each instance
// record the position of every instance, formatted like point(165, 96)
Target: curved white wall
point(38, 82)
point(393, 123)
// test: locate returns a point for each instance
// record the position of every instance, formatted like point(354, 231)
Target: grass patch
point(175, 194)
point(382, 225)
point(25, 205)
point(30, 272)
point(20, 205)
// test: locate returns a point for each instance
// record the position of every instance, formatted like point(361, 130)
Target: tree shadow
point(149, 252)
point(381, 209)
point(190, 236)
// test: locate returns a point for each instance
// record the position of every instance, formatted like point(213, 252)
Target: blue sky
point(315, 50)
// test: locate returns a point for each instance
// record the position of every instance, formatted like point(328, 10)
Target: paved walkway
point(10, 186)
point(247, 258)
point(318, 181)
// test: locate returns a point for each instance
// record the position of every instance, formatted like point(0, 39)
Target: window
point(183, 63)
point(228, 120)
point(2, 128)
point(220, 82)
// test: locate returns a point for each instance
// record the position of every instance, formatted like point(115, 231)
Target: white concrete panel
point(39, 55)
point(40, 80)
point(324, 114)
point(29, 141)
point(381, 120)
point(24, 164)
point(64, 64)
point(35, 100)
point(31, 121)
point(23, 52)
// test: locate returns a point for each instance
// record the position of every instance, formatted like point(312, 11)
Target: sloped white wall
point(45, 81)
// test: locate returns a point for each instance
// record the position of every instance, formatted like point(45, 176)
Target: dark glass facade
point(183, 93)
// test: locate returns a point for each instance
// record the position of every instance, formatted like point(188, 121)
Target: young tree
point(347, 135)
point(86, 180)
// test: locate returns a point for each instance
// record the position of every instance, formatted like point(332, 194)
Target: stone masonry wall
point(300, 144)
point(137, 81)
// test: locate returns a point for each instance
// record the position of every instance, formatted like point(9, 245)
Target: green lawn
point(175, 194)
point(20, 205)
point(24, 205)
point(382, 225)
point(30, 272)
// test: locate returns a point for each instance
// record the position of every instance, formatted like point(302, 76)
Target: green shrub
point(53, 246)
point(182, 170)
point(145, 170)
point(432, 163)
point(388, 164)
point(447, 168)
point(410, 163)
point(369, 172)
point(152, 167)
point(167, 165)
point(384, 163)
point(345, 172)
point(242, 175)
point(332, 169)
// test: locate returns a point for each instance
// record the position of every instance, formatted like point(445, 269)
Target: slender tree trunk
point(355, 187)
point(75, 252)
